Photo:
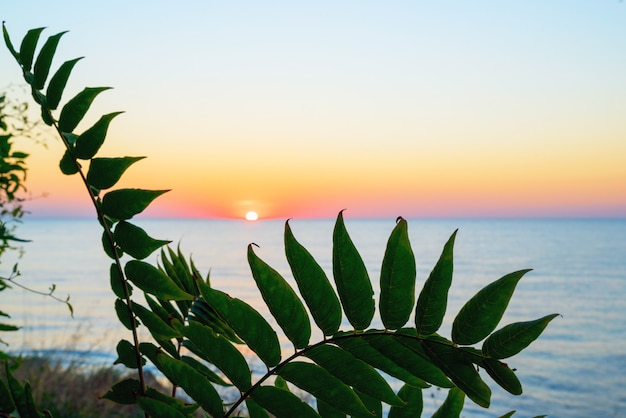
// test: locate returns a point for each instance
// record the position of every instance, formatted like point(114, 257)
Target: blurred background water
point(576, 369)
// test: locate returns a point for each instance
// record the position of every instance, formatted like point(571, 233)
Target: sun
point(252, 216)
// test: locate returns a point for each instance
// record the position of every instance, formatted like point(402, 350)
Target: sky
point(301, 109)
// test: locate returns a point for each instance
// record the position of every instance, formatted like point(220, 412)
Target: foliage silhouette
point(198, 330)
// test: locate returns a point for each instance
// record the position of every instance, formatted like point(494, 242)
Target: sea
point(577, 368)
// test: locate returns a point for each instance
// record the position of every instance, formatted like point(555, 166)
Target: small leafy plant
point(199, 332)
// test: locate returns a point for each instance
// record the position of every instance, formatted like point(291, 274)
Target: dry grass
point(73, 390)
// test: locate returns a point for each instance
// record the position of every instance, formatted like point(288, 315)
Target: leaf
point(89, 142)
point(206, 315)
point(190, 380)
point(186, 409)
point(159, 329)
point(481, 314)
point(509, 415)
point(459, 370)
point(414, 403)
point(9, 44)
point(351, 278)
point(158, 409)
point(353, 372)
point(282, 404)
point(503, 376)
point(44, 60)
point(408, 359)
point(373, 405)
point(108, 247)
point(327, 411)
point(249, 325)
point(134, 241)
point(255, 410)
point(76, 108)
point(321, 384)
point(68, 164)
point(126, 203)
point(362, 350)
point(313, 284)
point(513, 338)
point(433, 299)
point(221, 353)
point(124, 392)
point(126, 355)
point(6, 400)
point(281, 300)
point(208, 373)
point(123, 313)
point(57, 83)
point(105, 172)
point(452, 406)
point(397, 278)
point(117, 284)
point(151, 280)
point(27, 48)
point(22, 396)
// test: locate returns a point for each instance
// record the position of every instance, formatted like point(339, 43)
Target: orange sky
point(419, 110)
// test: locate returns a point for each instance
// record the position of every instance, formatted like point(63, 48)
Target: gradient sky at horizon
point(418, 109)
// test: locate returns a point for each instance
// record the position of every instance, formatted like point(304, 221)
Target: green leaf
point(134, 241)
point(151, 280)
point(353, 372)
point(117, 284)
point(249, 325)
point(44, 60)
point(255, 410)
point(105, 172)
point(57, 83)
point(353, 282)
point(221, 353)
point(126, 203)
point(509, 415)
point(27, 48)
point(503, 376)
point(126, 355)
point(313, 284)
point(206, 315)
point(373, 405)
point(408, 359)
point(460, 370)
point(414, 403)
point(7, 327)
point(481, 314)
point(124, 392)
point(6, 401)
point(513, 338)
point(108, 248)
point(158, 409)
point(76, 108)
point(123, 313)
point(89, 142)
point(397, 278)
point(282, 301)
point(206, 372)
point(186, 409)
point(9, 44)
point(362, 350)
point(433, 299)
point(321, 384)
point(452, 406)
point(22, 396)
point(327, 411)
point(190, 380)
point(68, 164)
point(282, 404)
point(159, 329)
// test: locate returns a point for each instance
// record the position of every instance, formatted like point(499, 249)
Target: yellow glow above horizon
point(412, 109)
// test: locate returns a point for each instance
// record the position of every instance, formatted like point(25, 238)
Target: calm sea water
point(576, 369)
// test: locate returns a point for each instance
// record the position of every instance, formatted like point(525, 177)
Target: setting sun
point(252, 216)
